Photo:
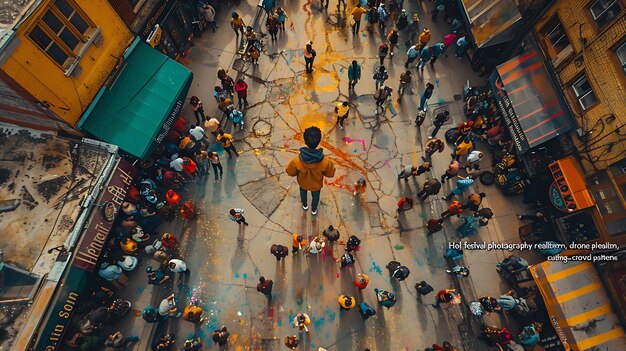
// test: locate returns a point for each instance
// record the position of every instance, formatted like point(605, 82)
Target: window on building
point(584, 93)
point(556, 41)
point(621, 56)
point(609, 202)
point(603, 11)
point(61, 32)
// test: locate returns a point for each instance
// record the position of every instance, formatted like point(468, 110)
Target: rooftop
point(49, 177)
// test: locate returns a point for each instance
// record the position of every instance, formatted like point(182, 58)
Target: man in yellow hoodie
point(310, 168)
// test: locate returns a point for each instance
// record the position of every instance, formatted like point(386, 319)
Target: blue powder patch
point(236, 275)
point(331, 314)
point(375, 268)
point(245, 276)
point(280, 323)
point(140, 290)
point(318, 322)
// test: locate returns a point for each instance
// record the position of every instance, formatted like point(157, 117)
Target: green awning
point(141, 101)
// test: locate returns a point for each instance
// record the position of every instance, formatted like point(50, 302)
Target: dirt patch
point(50, 188)
point(5, 174)
point(65, 224)
point(51, 161)
point(27, 199)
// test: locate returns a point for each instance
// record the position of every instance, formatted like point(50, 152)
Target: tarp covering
point(578, 306)
point(528, 102)
point(138, 105)
point(491, 21)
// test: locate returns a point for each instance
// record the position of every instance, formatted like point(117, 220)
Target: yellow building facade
point(586, 42)
point(62, 52)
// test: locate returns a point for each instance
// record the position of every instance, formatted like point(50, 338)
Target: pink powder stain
point(388, 164)
point(350, 140)
point(338, 274)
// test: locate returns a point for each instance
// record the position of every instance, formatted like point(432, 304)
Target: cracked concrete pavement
point(226, 260)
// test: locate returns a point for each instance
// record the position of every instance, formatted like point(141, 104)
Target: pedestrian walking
point(385, 298)
point(217, 166)
point(451, 172)
point(392, 38)
point(454, 209)
point(372, 17)
point(281, 16)
point(357, 14)
point(423, 39)
point(265, 286)
point(177, 266)
point(403, 20)
point(383, 50)
point(354, 74)
point(413, 29)
point(439, 6)
point(339, 2)
point(218, 94)
point(437, 50)
point(462, 184)
point(272, 26)
point(383, 16)
point(342, 110)
point(346, 302)
point(194, 344)
point(301, 322)
point(405, 81)
point(309, 55)
point(353, 243)
point(156, 277)
point(241, 87)
point(426, 53)
point(463, 148)
point(199, 136)
point(411, 55)
point(228, 84)
point(428, 92)
point(459, 271)
point(208, 12)
point(397, 270)
point(236, 215)
point(279, 251)
point(346, 260)
point(431, 187)
point(189, 167)
point(361, 282)
point(473, 159)
point(445, 347)
point(381, 95)
point(434, 225)
point(448, 41)
point(291, 342)
point(227, 143)
point(331, 234)
point(310, 168)
point(444, 296)
point(461, 45)
point(380, 76)
point(432, 146)
point(297, 242)
point(220, 336)
point(366, 311)
point(236, 22)
point(193, 313)
point(254, 55)
point(423, 288)
point(404, 204)
point(202, 160)
point(317, 245)
point(440, 119)
point(118, 341)
point(198, 110)
point(225, 105)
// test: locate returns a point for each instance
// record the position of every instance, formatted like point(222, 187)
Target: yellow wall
point(68, 97)
point(607, 79)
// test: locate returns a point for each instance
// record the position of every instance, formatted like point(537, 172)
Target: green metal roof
point(141, 101)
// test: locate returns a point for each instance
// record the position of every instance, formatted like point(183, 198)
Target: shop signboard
point(568, 192)
point(95, 235)
point(61, 311)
